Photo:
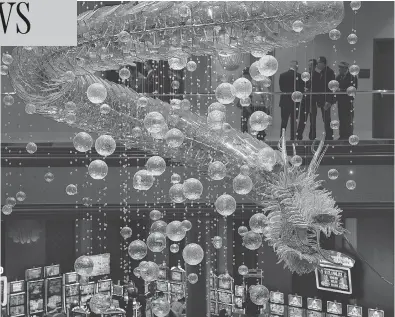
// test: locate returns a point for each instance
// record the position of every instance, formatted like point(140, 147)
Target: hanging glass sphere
point(154, 122)
point(4, 70)
point(297, 26)
point(49, 177)
point(149, 271)
point(268, 156)
point(266, 82)
point(252, 240)
point(123, 36)
point(258, 54)
point(136, 272)
point(350, 184)
point(136, 132)
point(268, 65)
point(305, 76)
point(160, 307)
point(8, 100)
point(355, 5)
point(215, 119)
point(7, 59)
point(296, 160)
point(175, 104)
point(255, 73)
point(297, 96)
point(185, 105)
point(126, 232)
point(333, 174)
point(6, 209)
point(187, 225)
point(175, 231)
point(242, 230)
point(257, 222)
point(259, 295)
point(155, 215)
point(124, 73)
point(192, 189)
point(99, 303)
point(193, 254)
point(335, 124)
point(70, 118)
point(175, 84)
point(352, 38)
point(83, 266)
point(216, 106)
point(243, 88)
point(334, 34)
point(217, 170)
point(354, 70)
point(30, 108)
point(217, 242)
point(259, 121)
point(143, 180)
point(161, 134)
point(98, 169)
point(243, 270)
point(242, 184)
point(11, 201)
point(225, 93)
point(105, 109)
point(175, 178)
point(96, 93)
point(333, 85)
point(191, 66)
point(156, 165)
point(225, 205)
point(105, 145)
point(174, 248)
point(353, 139)
point(351, 91)
point(158, 226)
point(245, 170)
point(142, 102)
point(176, 193)
point(20, 196)
point(71, 190)
point(156, 242)
point(193, 278)
point(70, 106)
point(137, 250)
point(177, 63)
point(174, 138)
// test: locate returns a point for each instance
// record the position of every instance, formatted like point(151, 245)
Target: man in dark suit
point(290, 81)
point(345, 103)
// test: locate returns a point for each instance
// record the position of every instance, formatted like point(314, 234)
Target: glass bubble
point(96, 93)
point(136, 132)
point(187, 225)
point(8, 100)
point(297, 26)
point(185, 105)
point(335, 124)
point(177, 63)
point(175, 231)
point(225, 279)
point(175, 178)
point(174, 138)
point(98, 169)
point(216, 106)
point(353, 139)
point(242, 184)
point(136, 272)
point(193, 254)
point(20, 196)
point(6, 209)
point(268, 156)
point(99, 303)
point(217, 242)
point(155, 215)
point(105, 145)
point(83, 142)
point(258, 54)
point(123, 36)
point(243, 88)
point(156, 165)
point(149, 271)
point(4, 70)
point(142, 102)
point(154, 122)
point(174, 248)
point(242, 230)
point(124, 73)
point(259, 121)
point(30, 108)
point(156, 242)
point(83, 266)
point(126, 232)
point(259, 295)
point(243, 270)
point(69, 76)
point(215, 119)
point(70, 106)
point(7, 59)
point(354, 70)
point(225, 205)
point(333, 174)
point(175, 104)
point(191, 66)
point(245, 102)
point(193, 278)
point(333, 85)
point(225, 93)
point(266, 82)
point(105, 109)
point(192, 189)
point(297, 96)
point(350, 184)
point(245, 170)
point(305, 76)
point(296, 160)
point(70, 118)
point(175, 84)
point(257, 222)
point(217, 170)
point(11, 201)
point(334, 34)
point(352, 39)
point(252, 240)
point(31, 147)
point(71, 189)
point(351, 91)
point(49, 177)
point(176, 193)
point(255, 73)
point(355, 5)
point(137, 249)
point(159, 226)
point(143, 180)
point(160, 307)
point(268, 65)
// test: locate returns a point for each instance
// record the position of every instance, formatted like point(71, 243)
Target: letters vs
point(8, 9)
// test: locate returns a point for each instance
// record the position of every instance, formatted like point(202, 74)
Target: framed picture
point(16, 311)
point(295, 312)
point(295, 300)
point(117, 290)
point(53, 292)
point(214, 308)
point(334, 307)
point(162, 286)
point(52, 270)
point(314, 304)
point(375, 313)
point(17, 287)
point(162, 274)
point(70, 278)
point(239, 290)
point(224, 297)
point(34, 274)
point(238, 301)
point(228, 308)
point(354, 311)
point(17, 299)
point(277, 297)
point(333, 279)
point(104, 286)
point(277, 309)
point(176, 288)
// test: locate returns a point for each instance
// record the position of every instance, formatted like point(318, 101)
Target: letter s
point(23, 17)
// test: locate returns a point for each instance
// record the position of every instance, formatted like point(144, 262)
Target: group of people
point(320, 76)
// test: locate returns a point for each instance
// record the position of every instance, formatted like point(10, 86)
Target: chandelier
point(24, 231)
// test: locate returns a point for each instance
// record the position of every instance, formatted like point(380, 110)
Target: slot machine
point(71, 290)
point(3, 292)
point(17, 299)
point(35, 291)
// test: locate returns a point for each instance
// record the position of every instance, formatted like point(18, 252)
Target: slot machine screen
point(228, 308)
point(54, 292)
point(239, 290)
point(239, 302)
point(225, 284)
point(17, 286)
point(16, 304)
point(117, 290)
point(162, 286)
point(176, 276)
point(176, 288)
point(35, 294)
point(224, 297)
point(71, 278)
point(162, 274)
point(33, 274)
point(17, 299)
point(104, 287)
point(86, 292)
point(213, 308)
point(52, 270)
point(17, 311)
point(277, 309)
